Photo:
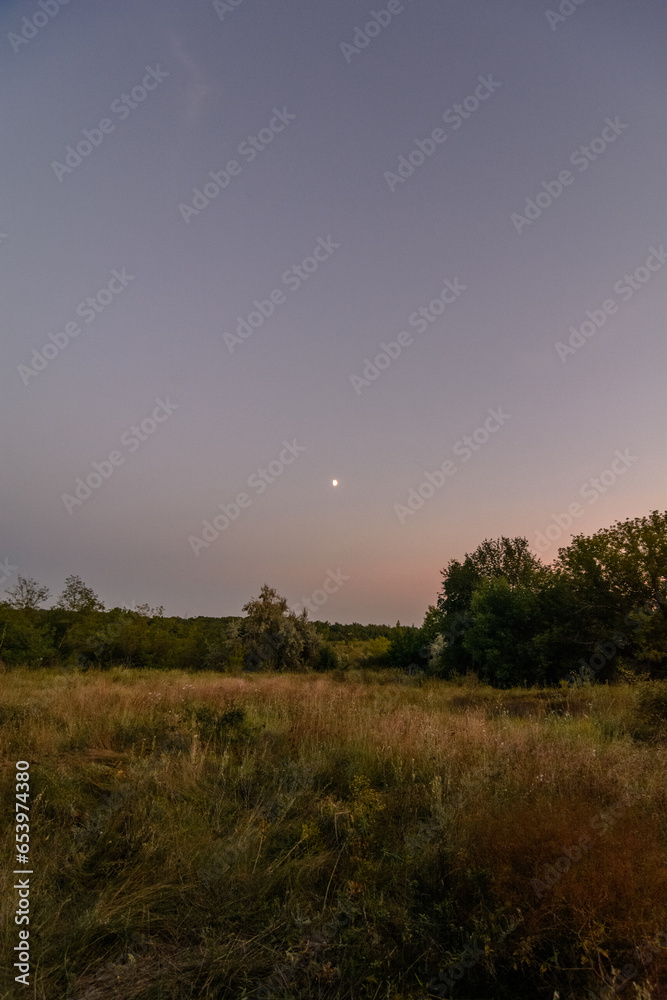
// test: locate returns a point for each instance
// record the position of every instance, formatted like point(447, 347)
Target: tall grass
point(354, 837)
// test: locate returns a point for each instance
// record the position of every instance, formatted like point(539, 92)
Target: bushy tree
point(510, 558)
point(619, 578)
point(625, 564)
point(23, 638)
point(78, 597)
point(521, 634)
point(137, 640)
point(328, 658)
point(499, 637)
point(224, 649)
point(504, 558)
point(312, 640)
point(409, 649)
point(146, 611)
point(275, 638)
point(504, 615)
point(27, 594)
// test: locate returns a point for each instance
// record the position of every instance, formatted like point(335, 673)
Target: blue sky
point(358, 183)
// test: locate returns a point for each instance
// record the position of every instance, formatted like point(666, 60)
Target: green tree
point(312, 640)
point(24, 639)
point(621, 567)
point(409, 649)
point(619, 578)
point(522, 634)
point(328, 658)
point(275, 638)
point(499, 637)
point(149, 612)
point(78, 597)
point(507, 558)
point(224, 649)
point(27, 594)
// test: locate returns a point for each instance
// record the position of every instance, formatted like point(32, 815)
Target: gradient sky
point(324, 176)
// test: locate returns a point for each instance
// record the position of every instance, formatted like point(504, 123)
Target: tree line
point(79, 632)
point(598, 611)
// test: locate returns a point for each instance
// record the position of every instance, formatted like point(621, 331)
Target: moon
point(334, 482)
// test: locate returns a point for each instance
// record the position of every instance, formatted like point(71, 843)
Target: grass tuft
point(359, 837)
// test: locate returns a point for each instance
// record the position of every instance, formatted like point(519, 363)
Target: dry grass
point(306, 836)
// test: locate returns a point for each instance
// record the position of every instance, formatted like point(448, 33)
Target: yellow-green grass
point(348, 836)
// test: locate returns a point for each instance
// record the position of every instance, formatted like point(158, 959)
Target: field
point(363, 834)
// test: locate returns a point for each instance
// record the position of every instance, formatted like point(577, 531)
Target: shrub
point(327, 659)
point(650, 717)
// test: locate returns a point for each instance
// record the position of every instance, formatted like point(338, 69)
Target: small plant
point(231, 727)
point(650, 717)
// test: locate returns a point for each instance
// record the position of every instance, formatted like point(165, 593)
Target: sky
point(219, 224)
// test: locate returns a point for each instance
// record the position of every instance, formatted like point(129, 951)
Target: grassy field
point(357, 835)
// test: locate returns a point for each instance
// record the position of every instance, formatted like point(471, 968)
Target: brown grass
point(299, 836)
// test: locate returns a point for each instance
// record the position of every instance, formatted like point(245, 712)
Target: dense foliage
point(78, 632)
point(599, 610)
